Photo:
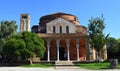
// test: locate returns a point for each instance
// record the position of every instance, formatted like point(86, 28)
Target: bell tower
point(24, 22)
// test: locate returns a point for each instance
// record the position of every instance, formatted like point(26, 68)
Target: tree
point(13, 48)
point(7, 29)
point(34, 44)
point(25, 45)
point(112, 47)
point(97, 39)
point(118, 53)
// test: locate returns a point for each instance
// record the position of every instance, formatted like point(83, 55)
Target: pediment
point(60, 21)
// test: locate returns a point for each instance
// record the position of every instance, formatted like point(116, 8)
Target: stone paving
point(47, 69)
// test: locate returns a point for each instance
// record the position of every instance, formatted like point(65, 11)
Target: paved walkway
point(46, 69)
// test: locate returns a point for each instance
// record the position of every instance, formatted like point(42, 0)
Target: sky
point(83, 9)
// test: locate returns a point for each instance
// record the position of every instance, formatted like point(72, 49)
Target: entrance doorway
point(61, 53)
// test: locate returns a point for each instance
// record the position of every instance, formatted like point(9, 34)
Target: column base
point(68, 60)
point(78, 59)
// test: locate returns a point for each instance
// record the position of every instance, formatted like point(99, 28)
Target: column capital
point(78, 40)
point(77, 45)
point(57, 42)
point(48, 41)
point(68, 40)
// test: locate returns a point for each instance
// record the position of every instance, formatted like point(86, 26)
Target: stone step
point(67, 67)
point(64, 63)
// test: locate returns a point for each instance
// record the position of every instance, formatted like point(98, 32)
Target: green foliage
point(7, 29)
point(14, 47)
point(112, 45)
point(34, 43)
point(95, 30)
point(2, 43)
point(118, 40)
point(25, 44)
point(113, 48)
point(97, 39)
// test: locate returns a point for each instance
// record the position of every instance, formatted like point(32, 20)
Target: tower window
point(67, 29)
point(24, 17)
point(53, 29)
point(60, 29)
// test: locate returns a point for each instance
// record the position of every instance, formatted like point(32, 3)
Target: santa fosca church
point(65, 38)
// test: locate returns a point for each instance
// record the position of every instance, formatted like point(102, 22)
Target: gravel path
point(45, 69)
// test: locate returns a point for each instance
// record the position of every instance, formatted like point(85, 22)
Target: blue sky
point(83, 9)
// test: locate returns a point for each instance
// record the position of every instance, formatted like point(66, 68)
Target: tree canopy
point(95, 30)
point(112, 45)
point(34, 43)
point(25, 45)
point(14, 47)
point(7, 29)
point(113, 48)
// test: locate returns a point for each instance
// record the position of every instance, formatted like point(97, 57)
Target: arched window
point(67, 29)
point(53, 29)
point(60, 29)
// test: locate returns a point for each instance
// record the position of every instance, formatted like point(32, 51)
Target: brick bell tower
point(24, 22)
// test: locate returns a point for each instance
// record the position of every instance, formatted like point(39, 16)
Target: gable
point(60, 22)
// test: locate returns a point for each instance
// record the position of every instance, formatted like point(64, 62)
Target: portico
point(71, 45)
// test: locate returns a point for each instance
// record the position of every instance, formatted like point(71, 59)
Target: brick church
point(65, 38)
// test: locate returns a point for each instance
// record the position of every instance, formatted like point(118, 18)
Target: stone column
point(68, 50)
point(77, 47)
point(48, 49)
point(58, 44)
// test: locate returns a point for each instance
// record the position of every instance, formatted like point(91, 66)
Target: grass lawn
point(42, 65)
point(95, 66)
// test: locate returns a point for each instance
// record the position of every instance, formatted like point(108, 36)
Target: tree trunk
point(30, 61)
point(99, 56)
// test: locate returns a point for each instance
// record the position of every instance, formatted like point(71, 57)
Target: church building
point(65, 38)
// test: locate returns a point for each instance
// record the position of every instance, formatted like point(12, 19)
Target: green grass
point(93, 66)
point(43, 65)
